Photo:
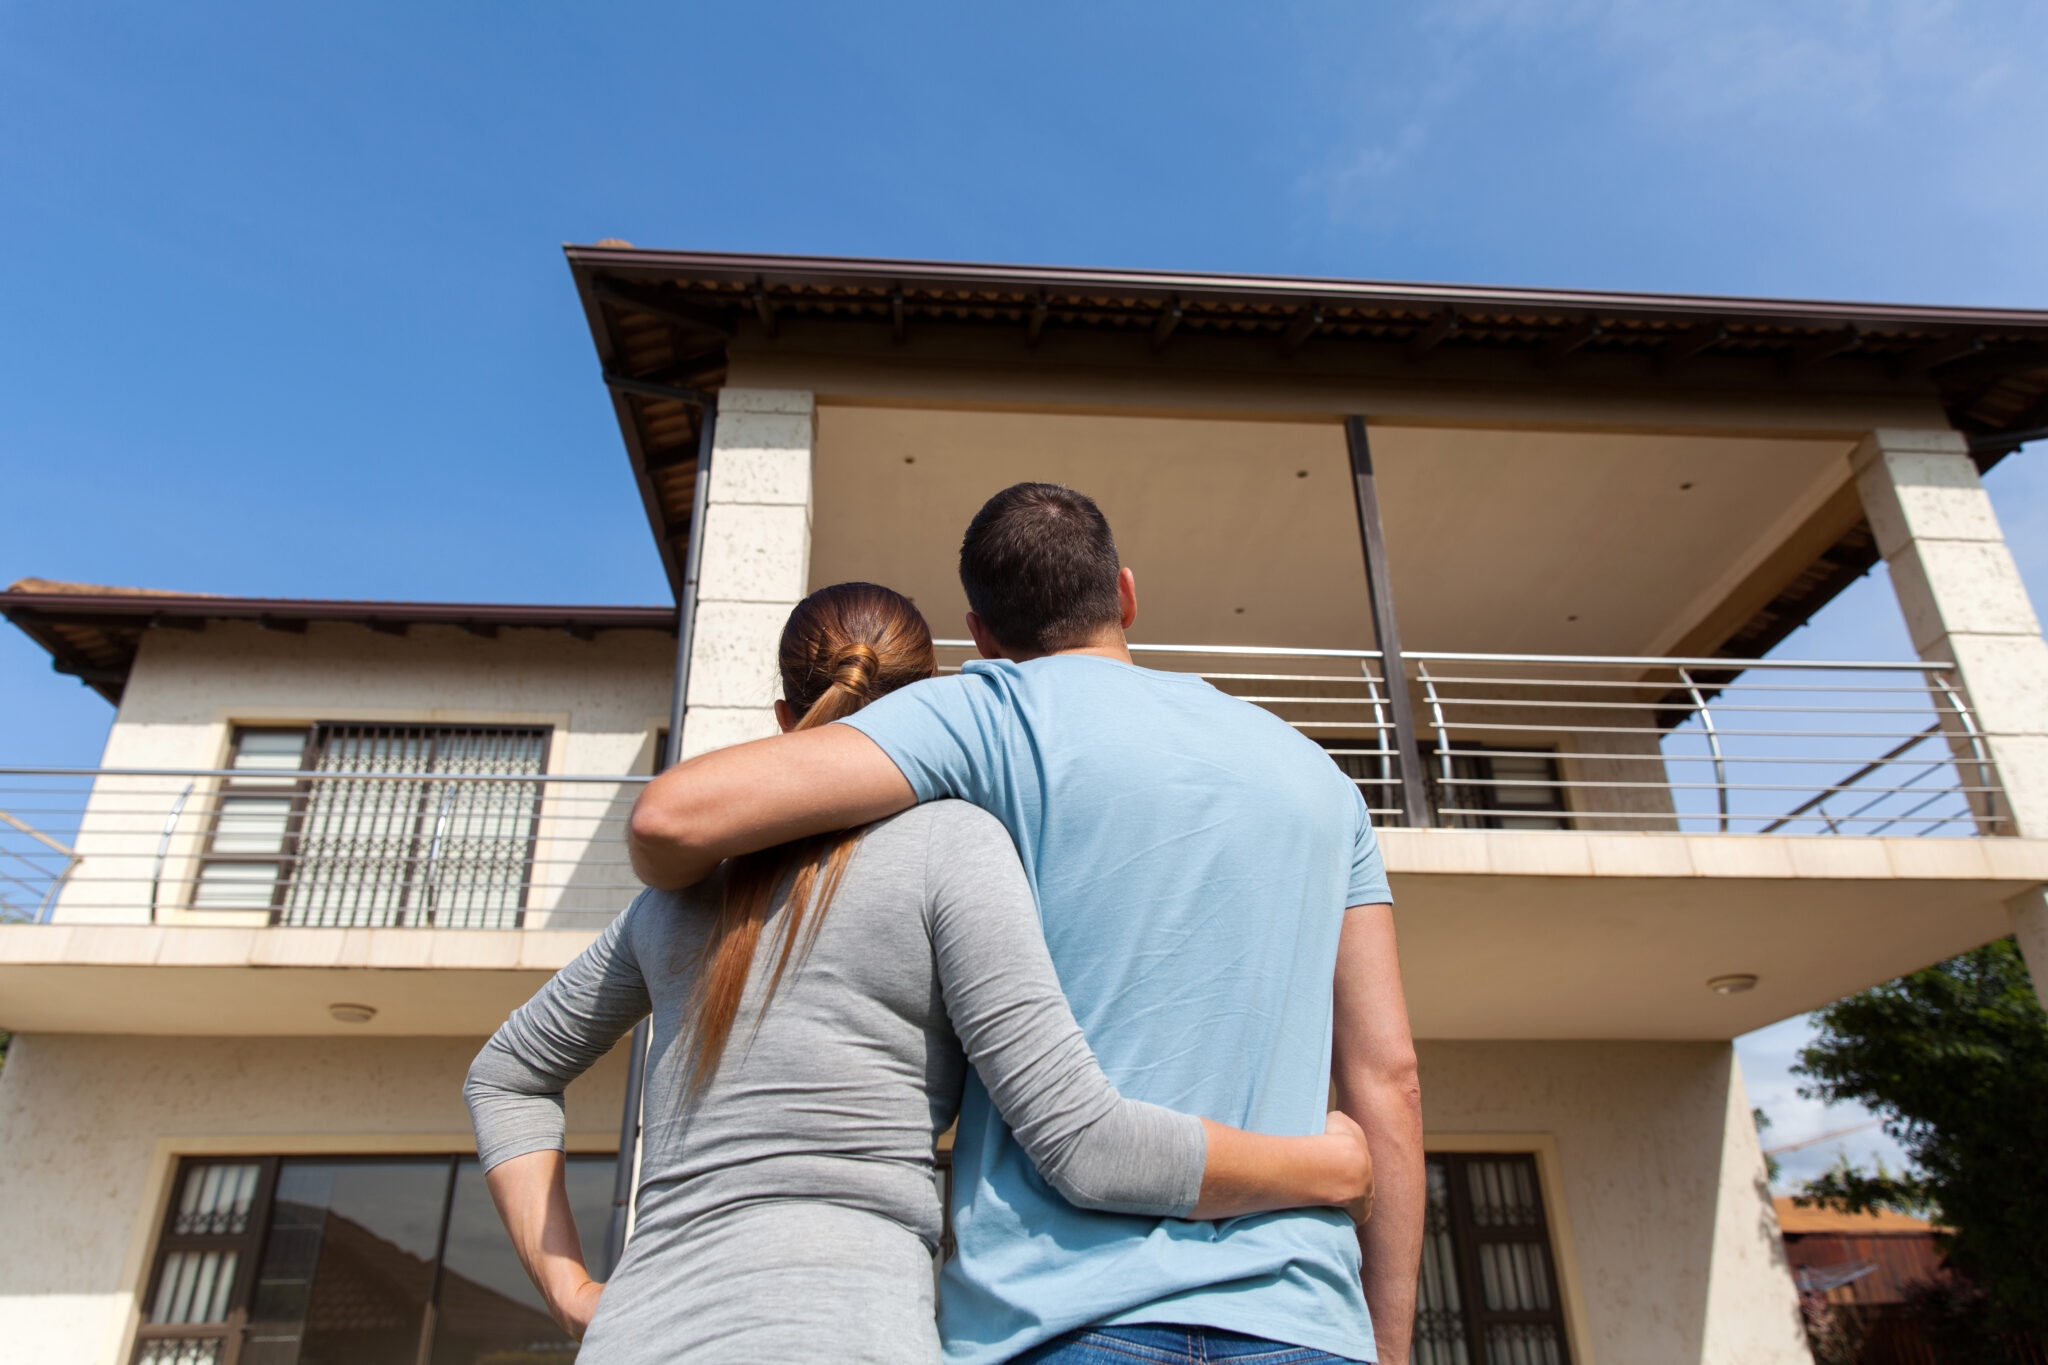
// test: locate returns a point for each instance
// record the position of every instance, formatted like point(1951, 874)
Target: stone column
point(1964, 601)
point(757, 563)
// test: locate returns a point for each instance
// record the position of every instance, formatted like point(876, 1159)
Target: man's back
point(1193, 857)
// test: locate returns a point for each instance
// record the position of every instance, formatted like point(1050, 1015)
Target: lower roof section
point(1504, 935)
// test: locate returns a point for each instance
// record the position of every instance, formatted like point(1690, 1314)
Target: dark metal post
point(1379, 591)
point(686, 631)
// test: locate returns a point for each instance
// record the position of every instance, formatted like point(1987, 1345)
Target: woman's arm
point(514, 1092)
point(1097, 1148)
point(532, 1195)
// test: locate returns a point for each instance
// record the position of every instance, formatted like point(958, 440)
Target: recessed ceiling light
point(1735, 983)
point(345, 1013)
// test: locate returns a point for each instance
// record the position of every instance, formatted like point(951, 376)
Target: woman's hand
point(1248, 1173)
point(1354, 1160)
point(578, 1306)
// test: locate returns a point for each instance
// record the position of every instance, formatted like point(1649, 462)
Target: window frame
point(1553, 1237)
point(1482, 756)
point(247, 1244)
point(299, 786)
point(253, 1244)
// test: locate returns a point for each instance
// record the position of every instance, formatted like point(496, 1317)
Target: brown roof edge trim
point(55, 606)
point(864, 270)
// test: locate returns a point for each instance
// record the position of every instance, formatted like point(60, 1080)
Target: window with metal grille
point(1497, 789)
point(1488, 1294)
point(349, 1261)
point(430, 825)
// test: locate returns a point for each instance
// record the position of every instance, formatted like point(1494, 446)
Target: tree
point(1956, 1059)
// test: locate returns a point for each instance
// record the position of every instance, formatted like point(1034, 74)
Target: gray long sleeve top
point(929, 957)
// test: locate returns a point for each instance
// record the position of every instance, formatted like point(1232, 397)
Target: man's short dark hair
point(1040, 568)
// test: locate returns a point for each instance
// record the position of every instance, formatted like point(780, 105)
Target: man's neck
point(1108, 645)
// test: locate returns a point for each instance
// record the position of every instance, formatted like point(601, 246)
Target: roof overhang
point(92, 633)
point(664, 321)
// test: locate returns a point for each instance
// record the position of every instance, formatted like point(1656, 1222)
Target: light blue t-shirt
point(1193, 856)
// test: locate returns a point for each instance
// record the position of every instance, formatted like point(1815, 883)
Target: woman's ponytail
point(844, 646)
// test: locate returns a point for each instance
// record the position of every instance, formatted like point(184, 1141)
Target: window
point(1497, 789)
point(1489, 1292)
point(423, 843)
point(277, 1261)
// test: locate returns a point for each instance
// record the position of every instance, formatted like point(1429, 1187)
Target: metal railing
point(1529, 741)
point(1503, 741)
point(314, 849)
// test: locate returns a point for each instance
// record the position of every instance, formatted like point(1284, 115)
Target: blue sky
point(285, 311)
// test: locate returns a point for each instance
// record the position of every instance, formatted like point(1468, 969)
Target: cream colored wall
point(604, 698)
point(91, 1127)
point(1672, 1243)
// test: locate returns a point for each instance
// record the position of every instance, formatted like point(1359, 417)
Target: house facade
point(1518, 559)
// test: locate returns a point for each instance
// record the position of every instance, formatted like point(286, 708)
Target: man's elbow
point(1388, 1082)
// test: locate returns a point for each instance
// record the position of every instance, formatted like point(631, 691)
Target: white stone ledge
point(202, 946)
point(2012, 863)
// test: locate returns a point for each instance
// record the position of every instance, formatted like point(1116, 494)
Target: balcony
point(1577, 844)
point(1564, 742)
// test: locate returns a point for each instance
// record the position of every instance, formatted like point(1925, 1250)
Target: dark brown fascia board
point(125, 610)
point(1288, 292)
point(628, 420)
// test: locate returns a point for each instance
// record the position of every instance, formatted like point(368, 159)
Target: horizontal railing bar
point(1679, 817)
point(1535, 703)
point(1671, 685)
point(1716, 665)
point(1269, 651)
point(1653, 730)
point(1598, 660)
point(281, 776)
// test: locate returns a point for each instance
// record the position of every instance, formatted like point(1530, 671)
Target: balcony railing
point(1732, 746)
point(326, 849)
point(1501, 741)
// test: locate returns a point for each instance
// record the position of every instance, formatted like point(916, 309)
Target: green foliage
point(1763, 1125)
point(1956, 1059)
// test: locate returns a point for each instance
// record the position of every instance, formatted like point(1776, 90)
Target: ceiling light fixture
point(1735, 983)
point(344, 1013)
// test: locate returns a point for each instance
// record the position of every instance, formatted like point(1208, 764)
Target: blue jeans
point(1162, 1345)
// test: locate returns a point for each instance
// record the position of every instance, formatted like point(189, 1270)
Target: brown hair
point(844, 646)
point(1040, 568)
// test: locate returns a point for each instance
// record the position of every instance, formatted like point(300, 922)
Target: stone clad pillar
point(1964, 601)
point(757, 563)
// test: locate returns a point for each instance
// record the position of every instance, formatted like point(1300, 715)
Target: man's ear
point(1127, 595)
point(984, 642)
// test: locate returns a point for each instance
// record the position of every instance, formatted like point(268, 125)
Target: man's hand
point(755, 796)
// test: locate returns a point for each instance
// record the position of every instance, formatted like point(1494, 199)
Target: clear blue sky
point(285, 312)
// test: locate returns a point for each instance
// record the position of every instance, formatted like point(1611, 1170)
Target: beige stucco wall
point(91, 1127)
point(1672, 1242)
point(604, 698)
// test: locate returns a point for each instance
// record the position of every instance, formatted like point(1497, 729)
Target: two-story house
point(1518, 559)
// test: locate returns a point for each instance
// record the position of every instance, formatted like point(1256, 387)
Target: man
point(1214, 901)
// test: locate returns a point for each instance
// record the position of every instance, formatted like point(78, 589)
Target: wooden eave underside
point(666, 317)
point(95, 637)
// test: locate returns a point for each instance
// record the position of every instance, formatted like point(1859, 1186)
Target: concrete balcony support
point(757, 560)
point(1964, 600)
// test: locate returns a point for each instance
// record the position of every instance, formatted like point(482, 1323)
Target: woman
point(815, 1008)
